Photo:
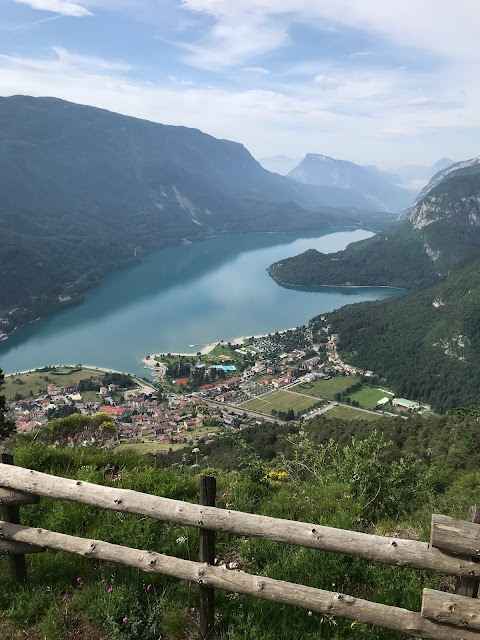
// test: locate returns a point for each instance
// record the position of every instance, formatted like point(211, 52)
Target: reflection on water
point(211, 290)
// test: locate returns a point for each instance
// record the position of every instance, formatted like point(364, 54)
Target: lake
point(216, 289)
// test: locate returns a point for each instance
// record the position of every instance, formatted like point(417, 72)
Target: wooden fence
point(454, 550)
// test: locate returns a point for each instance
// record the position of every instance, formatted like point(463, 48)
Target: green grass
point(327, 388)
point(35, 382)
point(367, 397)
point(279, 400)
point(66, 592)
point(350, 413)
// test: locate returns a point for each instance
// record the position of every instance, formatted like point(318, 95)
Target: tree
point(7, 427)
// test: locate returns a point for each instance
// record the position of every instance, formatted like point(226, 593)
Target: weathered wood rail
point(454, 550)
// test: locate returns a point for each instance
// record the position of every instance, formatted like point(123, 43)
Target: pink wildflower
point(149, 586)
point(110, 589)
point(125, 619)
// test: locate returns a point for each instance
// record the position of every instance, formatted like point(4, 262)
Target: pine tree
point(7, 427)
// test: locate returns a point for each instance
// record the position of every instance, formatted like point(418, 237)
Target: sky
point(383, 82)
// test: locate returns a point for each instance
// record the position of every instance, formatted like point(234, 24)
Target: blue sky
point(374, 81)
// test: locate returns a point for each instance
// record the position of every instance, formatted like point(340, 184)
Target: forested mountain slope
point(83, 190)
point(426, 344)
point(438, 232)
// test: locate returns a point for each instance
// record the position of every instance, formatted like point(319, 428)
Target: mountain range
point(440, 230)
point(415, 176)
point(84, 191)
point(369, 183)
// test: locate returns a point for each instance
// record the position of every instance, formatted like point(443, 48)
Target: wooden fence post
point(11, 513)
point(469, 586)
point(208, 489)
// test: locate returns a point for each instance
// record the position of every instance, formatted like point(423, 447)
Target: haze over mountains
point(279, 164)
point(427, 343)
point(440, 230)
point(368, 183)
point(83, 190)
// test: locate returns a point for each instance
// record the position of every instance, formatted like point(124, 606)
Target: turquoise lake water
point(217, 289)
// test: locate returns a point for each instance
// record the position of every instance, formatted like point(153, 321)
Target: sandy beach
point(151, 361)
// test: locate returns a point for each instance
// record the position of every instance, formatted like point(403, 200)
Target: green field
point(279, 400)
point(327, 388)
point(367, 397)
point(219, 354)
point(36, 381)
point(347, 413)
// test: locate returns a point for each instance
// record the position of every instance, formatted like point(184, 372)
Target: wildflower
point(102, 581)
point(310, 613)
point(110, 589)
point(354, 624)
point(79, 580)
point(181, 540)
point(125, 619)
point(149, 587)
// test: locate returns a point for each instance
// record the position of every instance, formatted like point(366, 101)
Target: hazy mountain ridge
point(417, 176)
point(367, 183)
point(279, 164)
point(464, 167)
point(84, 190)
point(440, 231)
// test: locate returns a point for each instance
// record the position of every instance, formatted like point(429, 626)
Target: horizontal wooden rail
point(18, 498)
point(459, 536)
point(452, 609)
point(10, 548)
point(318, 600)
point(406, 553)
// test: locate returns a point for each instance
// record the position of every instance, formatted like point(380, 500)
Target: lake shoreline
point(208, 348)
point(184, 296)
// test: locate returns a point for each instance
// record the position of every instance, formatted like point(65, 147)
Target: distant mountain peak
point(378, 188)
point(456, 169)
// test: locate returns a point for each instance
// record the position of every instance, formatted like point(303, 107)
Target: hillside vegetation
point(426, 344)
point(437, 233)
point(296, 475)
point(84, 191)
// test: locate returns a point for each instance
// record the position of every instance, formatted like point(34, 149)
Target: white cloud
point(261, 71)
point(62, 7)
point(436, 26)
point(327, 83)
point(367, 118)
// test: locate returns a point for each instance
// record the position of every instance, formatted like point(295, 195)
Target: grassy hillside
point(68, 596)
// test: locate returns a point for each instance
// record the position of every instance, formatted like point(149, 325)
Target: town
point(286, 376)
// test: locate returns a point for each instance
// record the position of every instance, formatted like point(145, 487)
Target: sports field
point(367, 397)
point(327, 388)
point(279, 400)
point(347, 413)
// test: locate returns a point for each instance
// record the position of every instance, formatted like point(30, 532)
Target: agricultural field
point(36, 381)
point(327, 388)
point(350, 413)
point(367, 397)
point(279, 400)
